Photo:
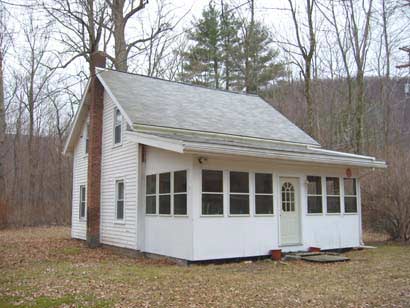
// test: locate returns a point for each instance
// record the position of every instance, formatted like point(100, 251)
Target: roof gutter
point(196, 148)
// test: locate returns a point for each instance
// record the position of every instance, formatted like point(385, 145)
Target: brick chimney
point(96, 105)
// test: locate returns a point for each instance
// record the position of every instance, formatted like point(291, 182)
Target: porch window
point(212, 192)
point(239, 193)
point(165, 193)
point(119, 199)
point(180, 193)
point(314, 194)
point(117, 126)
point(333, 195)
point(263, 194)
point(350, 195)
point(151, 194)
point(83, 198)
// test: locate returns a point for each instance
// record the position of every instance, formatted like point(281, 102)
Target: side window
point(87, 134)
point(165, 193)
point(151, 194)
point(263, 194)
point(119, 199)
point(350, 195)
point(212, 192)
point(239, 193)
point(333, 195)
point(83, 204)
point(117, 126)
point(314, 194)
point(180, 193)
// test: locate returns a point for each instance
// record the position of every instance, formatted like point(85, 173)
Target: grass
point(43, 267)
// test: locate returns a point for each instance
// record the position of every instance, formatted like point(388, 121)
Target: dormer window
point(117, 126)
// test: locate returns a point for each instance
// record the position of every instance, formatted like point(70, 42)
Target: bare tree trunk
point(3, 204)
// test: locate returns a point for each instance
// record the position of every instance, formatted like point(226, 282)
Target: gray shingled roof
point(151, 101)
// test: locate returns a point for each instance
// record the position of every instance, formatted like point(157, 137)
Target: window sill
point(119, 222)
point(314, 214)
point(181, 216)
point(264, 215)
point(350, 213)
point(82, 220)
point(211, 216)
point(116, 145)
point(152, 215)
point(165, 215)
point(239, 215)
point(333, 214)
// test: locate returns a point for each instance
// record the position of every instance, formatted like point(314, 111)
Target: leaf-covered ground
point(43, 267)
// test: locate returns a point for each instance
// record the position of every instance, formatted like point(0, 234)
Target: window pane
point(239, 204)
point(82, 209)
point(239, 182)
point(314, 185)
point(82, 193)
point(120, 190)
point(120, 209)
point(314, 204)
point(151, 184)
point(332, 186)
point(118, 117)
point(263, 204)
point(350, 187)
point(117, 137)
point(350, 205)
point(333, 204)
point(165, 183)
point(180, 207)
point(180, 181)
point(212, 204)
point(212, 181)
point(263, 183)
point(151, 205)
point(165, 204)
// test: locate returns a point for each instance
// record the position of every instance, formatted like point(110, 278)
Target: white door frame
point(298, 203)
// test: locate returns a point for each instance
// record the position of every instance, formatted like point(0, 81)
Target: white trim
point(201, 149)
point(156, 142)
point(76, 118)
point(341, 153)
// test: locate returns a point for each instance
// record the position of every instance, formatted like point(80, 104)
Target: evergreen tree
point(229, 52)
point(203, 60)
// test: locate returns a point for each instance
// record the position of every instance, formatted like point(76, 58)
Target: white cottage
point(198, 174)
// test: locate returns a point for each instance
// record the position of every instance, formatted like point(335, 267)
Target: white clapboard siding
point(118, 162)
point(80, 165)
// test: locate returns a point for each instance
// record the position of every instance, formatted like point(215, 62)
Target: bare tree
point(307, 50)
point(83, 24)
point(122, 11)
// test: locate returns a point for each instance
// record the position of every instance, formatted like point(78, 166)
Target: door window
point(288, 197)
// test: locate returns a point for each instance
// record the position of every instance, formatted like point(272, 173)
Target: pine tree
point(203, 60)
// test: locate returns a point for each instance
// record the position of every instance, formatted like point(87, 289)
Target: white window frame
point(179, 193)
point(119, 220)
point(214, 193)
point(355, 196)
point(82, 218)
point(239, 194)
point(166, 194)
point(339, 195)
point(152, 195)
point(115, 124)
point(316, 195)
point(87, 139)
point(264, 194)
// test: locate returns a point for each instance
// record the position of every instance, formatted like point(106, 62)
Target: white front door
point(289, 211)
